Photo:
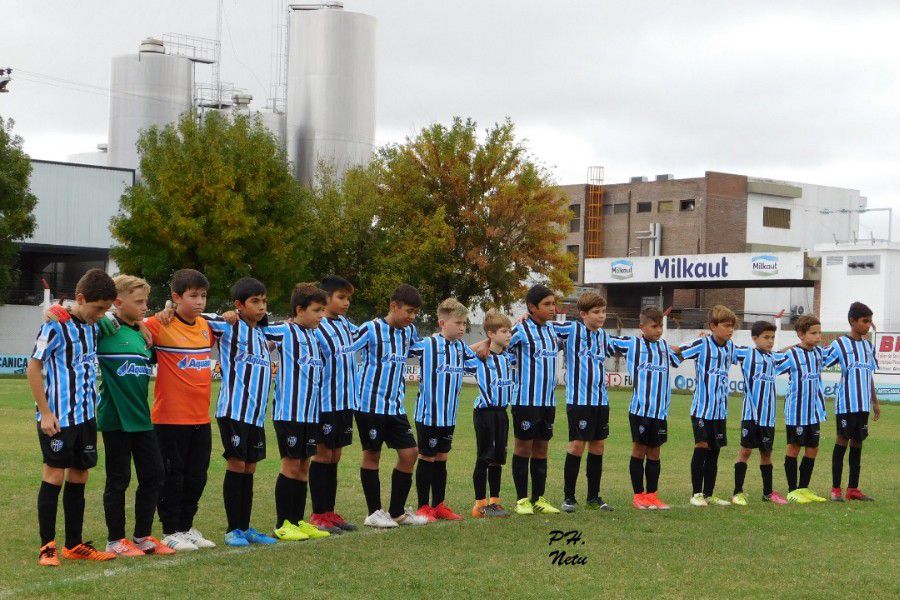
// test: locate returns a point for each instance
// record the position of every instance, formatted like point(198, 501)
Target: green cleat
point(811, 496)
point(542, 506)
point(524, 507)
point(716, 501)
point(796, 497)
point(289, 532)
point(740, 499)
point(311, 531)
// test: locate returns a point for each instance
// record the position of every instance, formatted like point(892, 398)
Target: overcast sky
point(804, 91)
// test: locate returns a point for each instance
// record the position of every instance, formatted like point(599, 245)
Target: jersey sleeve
point(276, 332)
point(471, 365)
point(620, 345)
point(417, 348)
point(48, 340)
point(153, 326)
point(782, 363)
point(217, 324)
point(692, 350)
point(563, 330)
point(468, 353)
point(832, 354)
point(675, 359)
point(361, 335)
point(517, 336)
point(740, 354)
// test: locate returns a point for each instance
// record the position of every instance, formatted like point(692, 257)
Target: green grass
point(812, 551)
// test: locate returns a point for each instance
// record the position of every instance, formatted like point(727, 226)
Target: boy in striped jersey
point(442, 358)
point(385, 344)
point(758, 415)
point(586, 347)
point(855, 396)
point(713, 355)
point(295, 414)
point(338, 399)
point(649, 359)
point(535, 347)
point(64, 396)
point(496, 387)
point(241, 410)
point(804, 407)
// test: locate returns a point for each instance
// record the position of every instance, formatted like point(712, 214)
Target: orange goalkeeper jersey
point(184, 376)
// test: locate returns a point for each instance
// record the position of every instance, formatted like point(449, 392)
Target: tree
point(470, 219)
point(215, 194)
point(16, 202)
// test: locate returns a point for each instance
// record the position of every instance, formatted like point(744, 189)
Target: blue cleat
point(255, 537)
point(235, 537)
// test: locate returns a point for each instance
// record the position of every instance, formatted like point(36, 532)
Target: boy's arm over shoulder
point(692, 349)
point(620, 345)
point(675, 357)
point(361, 335)
point(832, 353)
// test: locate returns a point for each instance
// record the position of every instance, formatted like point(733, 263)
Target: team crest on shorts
point(432, 442)
point(326, 428)
point(56, 445)
point(799, 431)
point(526, 425)
point(292, 441)
point(373, 433)
point(745, 432)
point(235, 440)
point(843, 422)
point(700, 423)
point(582, 424)
point(640, 429)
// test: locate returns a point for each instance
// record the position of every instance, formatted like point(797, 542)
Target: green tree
point(16, 202)
point(215, 194)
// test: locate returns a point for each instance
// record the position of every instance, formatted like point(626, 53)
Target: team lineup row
point(332, 373)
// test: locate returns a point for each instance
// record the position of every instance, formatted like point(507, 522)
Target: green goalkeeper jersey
point(125, 368)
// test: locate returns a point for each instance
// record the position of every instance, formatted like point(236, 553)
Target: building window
point(643, 207)
point(574, 251)
point(575, 223)
point(665, 206)
point(776, 217)
point(687, 205)
point(620, 209)
point(607, 209)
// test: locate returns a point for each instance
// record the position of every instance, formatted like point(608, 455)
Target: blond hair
point(125, 284)
point(589, 300)
point(722, 314)
point(451, 307)
point(494, 320)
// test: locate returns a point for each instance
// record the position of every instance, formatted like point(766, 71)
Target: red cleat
point(655, 502)
point(640, 502)
point(442, 511)
point(836, 495)
point(856, 494)
point(427, 512)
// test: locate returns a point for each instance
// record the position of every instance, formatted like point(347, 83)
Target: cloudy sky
point(804, 91)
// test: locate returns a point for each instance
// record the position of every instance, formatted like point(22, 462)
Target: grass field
point(811, 551)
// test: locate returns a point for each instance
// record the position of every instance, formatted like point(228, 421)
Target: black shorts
point(336, 428)
point(243, 441)
point(296, 440)
point(533, 422)
point(711, 431)
point(393, 430)
point(853, 426)
point(588, 423)
point(73, 447)
point(434, 440)
point(491, 434)
point(648, 431)
point(803, 435)
point(754, 435)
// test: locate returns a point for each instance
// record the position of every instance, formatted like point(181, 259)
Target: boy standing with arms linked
point(64, 395)
point(804, 407)
point(381, 417)
point(758, 415)
point(713, 355)
point(496, 388)
point(649, 359)
point(855, 396)
point(586, 347)
point(180, 411)
point(443, 358)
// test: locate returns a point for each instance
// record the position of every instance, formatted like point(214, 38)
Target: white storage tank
point(330, 107)
point(147, 88)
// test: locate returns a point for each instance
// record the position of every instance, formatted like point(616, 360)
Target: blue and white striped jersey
point(298, 383)
point(758, 369)
point(535, 348)
point(711, 362)
point(858, 364)
point(496, 379)
point(246, 370)
point(648, 363)
point(339, 378)
point(585, 352)
point(382, 377)
point(804, 403)
point(69, 354)
point(443, 365)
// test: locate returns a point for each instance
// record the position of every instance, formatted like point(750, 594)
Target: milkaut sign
point(747, 266)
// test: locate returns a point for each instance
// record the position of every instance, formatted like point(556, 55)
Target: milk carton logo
point(764, 265)
point(621, 269)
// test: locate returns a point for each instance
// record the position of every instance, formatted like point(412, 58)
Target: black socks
point(790, 472)
point(570, 474)
point(73, 507)
point(740, 473)
point(854, 462)
point(47, 504)
point(520, 475)
point(698, 460)
point(439, 482)
point(806, 469)
point(371, 485)
point(594, 473)
point(636, 469)
point(538, 477)
point(400, 484)
point(424, 480)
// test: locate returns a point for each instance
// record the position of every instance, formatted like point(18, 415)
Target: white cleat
point(698, 500)
point(197, 539)
point(177, 542)
point(410, 518)
point(380, 520)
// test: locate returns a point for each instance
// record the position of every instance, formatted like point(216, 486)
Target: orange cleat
point(48, 557)
point(151, 545)
point(124, 547)
point(478, 509)
point(86, 551)
point(655, 502)
point(641, 503)
point(427, 512)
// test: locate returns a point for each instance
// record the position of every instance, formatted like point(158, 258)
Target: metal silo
point(147, 88)
point(330, 105)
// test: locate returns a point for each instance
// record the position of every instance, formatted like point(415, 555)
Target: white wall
point(19, 326)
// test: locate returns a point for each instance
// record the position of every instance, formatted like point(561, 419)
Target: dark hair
point(651, 314)
point(805, 323)
point(333, 283)
point(247, 287)
point(536, 293)
point(408, 295)
point(590, 300)
point(96, 285)
point(857, 311)
point(188, 279)
point(760, 327)
point(305, 294)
